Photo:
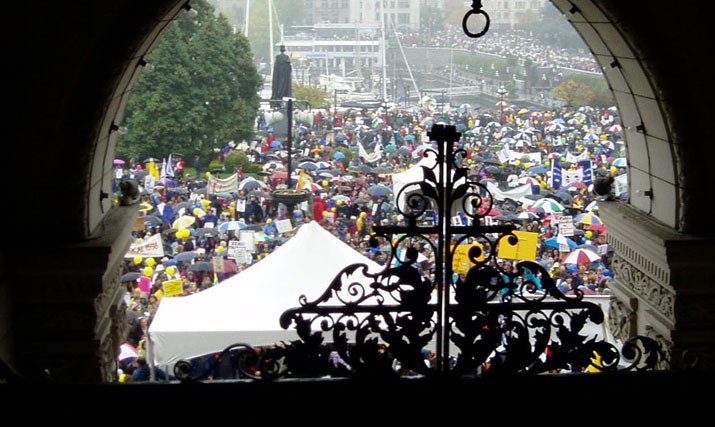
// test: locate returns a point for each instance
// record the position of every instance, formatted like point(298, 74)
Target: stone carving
point(621, 320)
point(665, 347)
point(658, 296)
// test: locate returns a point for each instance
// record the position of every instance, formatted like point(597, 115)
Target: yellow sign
point(524, 250)
point(461, 262)
point(172, 288)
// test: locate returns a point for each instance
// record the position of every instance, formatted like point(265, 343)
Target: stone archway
point(73, 72)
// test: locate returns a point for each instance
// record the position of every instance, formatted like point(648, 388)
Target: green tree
point(202, 93)
point(602, 95)
point(574, 93)
point(236, 159)
point(317, 98)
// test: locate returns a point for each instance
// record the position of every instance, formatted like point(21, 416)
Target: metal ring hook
point(476, 10)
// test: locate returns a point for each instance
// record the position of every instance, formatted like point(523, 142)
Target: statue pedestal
point(280, 128)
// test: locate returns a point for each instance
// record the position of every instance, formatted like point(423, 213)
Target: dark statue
point(282, 76)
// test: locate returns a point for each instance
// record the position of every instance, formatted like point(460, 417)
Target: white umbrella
point(581, 256)
point(549, 205)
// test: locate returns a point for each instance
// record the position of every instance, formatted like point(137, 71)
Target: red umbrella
point(229, 266)
point(581, 256)
point(280, 175)
point(596, 227)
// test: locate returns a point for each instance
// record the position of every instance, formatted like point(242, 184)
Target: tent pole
point(150, 359)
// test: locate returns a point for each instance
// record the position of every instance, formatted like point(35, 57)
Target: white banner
point(568, 177)
point(149, 248)
point(533, 157)
point(575, 159)
point(370, 158)
point(514, 194)
point(226, 185)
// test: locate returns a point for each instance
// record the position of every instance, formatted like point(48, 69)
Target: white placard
point(240, 205)
point(248, 237)
point(304, 206)
point(208, 225)
point(603, 249)
point(233, 246)
point(566, 226)
point(284, 226)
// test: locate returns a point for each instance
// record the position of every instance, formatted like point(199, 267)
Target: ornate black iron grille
point(489, 321)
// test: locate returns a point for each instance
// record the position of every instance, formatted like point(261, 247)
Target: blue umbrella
point(309, 166)
point(340, 197)
point(552, 242)
point(276, 144)
point(379, 190)
point(231, 225)
point(409, 137)
point(185, 256)
point(537, 169)
point(338, 155)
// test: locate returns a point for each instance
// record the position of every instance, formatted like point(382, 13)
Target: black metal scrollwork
point(497, 321)
point(488, 321)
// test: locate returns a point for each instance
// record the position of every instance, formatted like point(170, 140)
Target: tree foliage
point(317, 98)
point(602, 95)
point(574, 93)
point(202, 93)
point(236, 159)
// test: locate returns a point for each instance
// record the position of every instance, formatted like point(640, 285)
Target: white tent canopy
point(247, 307)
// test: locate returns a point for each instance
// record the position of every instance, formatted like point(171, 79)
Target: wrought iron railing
point(489, 321)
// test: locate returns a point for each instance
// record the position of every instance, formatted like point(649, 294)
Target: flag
point(162, 173)
point(556, 173)
point(170, 167)
point(587, 167)
point(215, 279)
point(167, 215)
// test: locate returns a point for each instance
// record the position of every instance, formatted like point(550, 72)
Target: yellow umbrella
point(523, 111)
point(183, 222)
point(145, 207)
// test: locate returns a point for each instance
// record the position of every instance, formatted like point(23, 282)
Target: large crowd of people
point(347, 162)
point(507, 43)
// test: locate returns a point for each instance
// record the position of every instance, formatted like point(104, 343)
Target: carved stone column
point(663, 284)
point(69, 318)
